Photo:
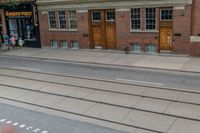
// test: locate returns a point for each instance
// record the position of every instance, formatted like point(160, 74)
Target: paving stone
point(143, 131)
point(66, 90)
point(161, 93)
point(185, 110)
point(32, 97)
point(152, 121)
point(190, 97)
point(97, 95)
point(9, 72)
point(49, 101)
point(108, 112)
point(185, 126)
point(37, 85)
point(37, 76)
point(12, 93)
point(74, 105)
point(121, 99)
point(18, 104)
point(153, 104)
point(131, 89)
point(99, 85)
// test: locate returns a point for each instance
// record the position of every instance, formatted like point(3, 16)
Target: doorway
point(102, 29)
point(166, 38)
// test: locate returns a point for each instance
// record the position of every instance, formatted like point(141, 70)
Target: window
point(151, 48)
point(96, 16)
point(64, 44)
point(136, 47)
point(74, 45)
point(110, 16)
point(53, 43)
point(52, 19)
point(62, 20)
point(72, 20)
point(166, 14)
point(135, 19)
point(150, 18)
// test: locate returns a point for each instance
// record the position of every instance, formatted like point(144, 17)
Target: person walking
point(13, 42)
point(20, 42)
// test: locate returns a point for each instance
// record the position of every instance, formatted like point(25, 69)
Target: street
point(133, 100)
point(35, 122)
point(174, 79)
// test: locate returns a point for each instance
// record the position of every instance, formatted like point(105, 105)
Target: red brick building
point(145, 26)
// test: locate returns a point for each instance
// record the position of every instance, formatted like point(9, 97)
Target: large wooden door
point(165, 38)
point(102, 29)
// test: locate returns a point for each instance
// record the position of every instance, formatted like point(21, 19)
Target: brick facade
point(81, 35)
point(184, 25)
point(195, 28)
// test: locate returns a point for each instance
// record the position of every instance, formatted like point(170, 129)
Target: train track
point(123, 94)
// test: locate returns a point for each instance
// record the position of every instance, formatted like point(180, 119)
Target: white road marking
point(138, 81)
point(16, 124)
point(44, 132)
point(29, 128)
point(26, 68)
point(36, 130)
point(2, 120)
point(22, 126)
point(8, 122)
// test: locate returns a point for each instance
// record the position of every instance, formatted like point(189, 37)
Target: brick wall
point(195, 46)
point(81, 35)
point(126, 36)
point(182, 25)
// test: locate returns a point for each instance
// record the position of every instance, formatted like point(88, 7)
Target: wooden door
point(110, 29)
point(165, 38)
point(102, 29)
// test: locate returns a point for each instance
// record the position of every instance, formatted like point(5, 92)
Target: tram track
point(95, 101)
point(103, 90)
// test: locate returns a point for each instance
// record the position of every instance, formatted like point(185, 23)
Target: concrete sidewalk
point(171, 62)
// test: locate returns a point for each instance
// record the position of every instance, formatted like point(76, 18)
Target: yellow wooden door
point(110, 29)
point(165, 38)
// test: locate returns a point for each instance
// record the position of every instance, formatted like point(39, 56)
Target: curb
point(104, 64)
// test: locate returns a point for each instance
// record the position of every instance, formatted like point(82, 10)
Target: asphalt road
point(35, 122)
point(153, 77)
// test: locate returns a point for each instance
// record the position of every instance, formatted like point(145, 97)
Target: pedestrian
point(7, 41)
point(20, 42)
point(13, 42)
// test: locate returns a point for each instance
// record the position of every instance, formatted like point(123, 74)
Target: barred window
point(62, 20)
point(72, 19)
point(166, 14)
point(135, 18)
point(150, 18)
point(52, 19)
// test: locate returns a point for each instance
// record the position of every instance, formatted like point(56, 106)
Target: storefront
point(22, 22)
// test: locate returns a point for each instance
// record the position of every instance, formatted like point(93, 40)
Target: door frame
point(104, 23)
point(165, 26)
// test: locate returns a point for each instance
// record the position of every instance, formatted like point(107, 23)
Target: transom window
point(52, 19)
point(150, 18)
point(166, 14)
point(96, 16)
point(135, 18)
point(72, 19)
point(62, 19)
point(110, 16)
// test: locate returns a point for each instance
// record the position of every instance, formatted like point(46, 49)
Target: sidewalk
point(171, 62)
